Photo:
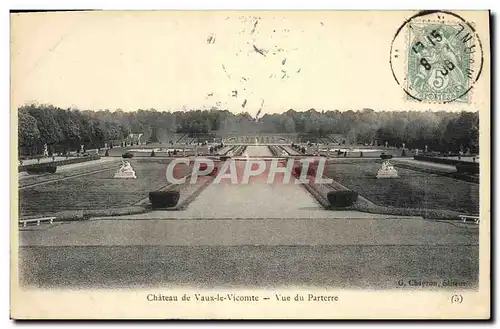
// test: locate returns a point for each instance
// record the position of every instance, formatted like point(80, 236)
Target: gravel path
point(424, 164)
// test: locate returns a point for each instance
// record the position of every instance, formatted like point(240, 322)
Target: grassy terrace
point(95, 191)
point(412, 190)
point(35, 179)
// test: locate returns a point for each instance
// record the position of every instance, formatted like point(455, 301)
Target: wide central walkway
point(254, 200)
point(258, 150)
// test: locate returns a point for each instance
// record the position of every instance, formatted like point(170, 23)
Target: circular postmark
point(436, 57)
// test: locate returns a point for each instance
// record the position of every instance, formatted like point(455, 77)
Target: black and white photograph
point(250, 164)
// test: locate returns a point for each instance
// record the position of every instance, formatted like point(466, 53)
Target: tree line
point(69, 128)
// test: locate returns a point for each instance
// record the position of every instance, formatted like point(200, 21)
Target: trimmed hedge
point(469, 168)
point(463, 176)
point(385, 156)
point(462, 166)
point(127, 155)
point(436, 160)
point(60, 163)
point(42, 170)
point(342, 199)
point(164, 199)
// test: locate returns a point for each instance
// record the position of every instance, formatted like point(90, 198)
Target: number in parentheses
point(457, 299)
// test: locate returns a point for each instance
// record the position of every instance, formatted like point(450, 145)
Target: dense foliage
point(69, 128)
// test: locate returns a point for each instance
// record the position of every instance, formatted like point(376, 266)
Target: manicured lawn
point(95, 191)
point(34, 179)
point(412, 190)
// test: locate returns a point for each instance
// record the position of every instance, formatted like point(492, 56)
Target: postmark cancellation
point(436, 57)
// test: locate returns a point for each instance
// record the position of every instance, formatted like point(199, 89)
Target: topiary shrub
point(342, 199)
point(127, 155)
point(164, 199)
point(106, 154)
point(403, 153)
point(35, 170)
point(153, 153)
point(385, 156)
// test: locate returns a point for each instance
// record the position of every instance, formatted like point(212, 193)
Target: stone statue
point(387, 171)
point(125, 166)
point(125, 171)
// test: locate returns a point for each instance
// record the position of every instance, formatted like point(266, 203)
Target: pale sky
point(163, 60)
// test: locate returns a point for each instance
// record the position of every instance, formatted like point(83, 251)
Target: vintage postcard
point(250, 165)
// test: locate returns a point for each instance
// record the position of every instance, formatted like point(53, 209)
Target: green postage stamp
point(438, 62)
point(442, 61)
